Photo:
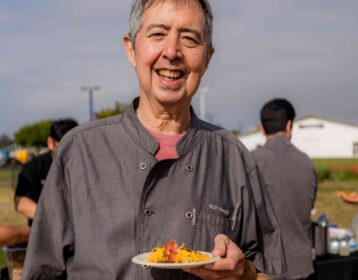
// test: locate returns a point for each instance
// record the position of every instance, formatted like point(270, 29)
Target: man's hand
point(232, 266)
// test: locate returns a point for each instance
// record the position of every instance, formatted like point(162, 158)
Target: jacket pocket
point(207, 226)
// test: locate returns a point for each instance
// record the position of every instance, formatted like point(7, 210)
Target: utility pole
point(90, 99)
point(203, 91)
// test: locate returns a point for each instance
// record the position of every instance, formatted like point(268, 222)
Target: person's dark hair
point(275, 114)
point(139, 6)
point(60, 127)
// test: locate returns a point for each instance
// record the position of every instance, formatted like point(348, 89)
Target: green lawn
point(328, 202)
point(8, 174)
point(3, 261)
point(326, 163)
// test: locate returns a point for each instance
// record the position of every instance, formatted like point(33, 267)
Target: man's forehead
point(194, 3)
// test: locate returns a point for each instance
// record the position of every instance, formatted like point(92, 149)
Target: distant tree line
point(109, 112)
point(35, 134)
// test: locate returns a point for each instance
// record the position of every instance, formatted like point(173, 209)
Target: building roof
point(304, 118)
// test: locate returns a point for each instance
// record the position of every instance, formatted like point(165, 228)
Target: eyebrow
point(157, 25)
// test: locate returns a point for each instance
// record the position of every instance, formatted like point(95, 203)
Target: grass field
point(8, 175)
point(326, 163)
point(328, 202)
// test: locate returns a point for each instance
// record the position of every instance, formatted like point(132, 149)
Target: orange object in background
point(351, 197)
point(22, 156)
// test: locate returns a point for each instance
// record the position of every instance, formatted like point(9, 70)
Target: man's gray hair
point(139, 6)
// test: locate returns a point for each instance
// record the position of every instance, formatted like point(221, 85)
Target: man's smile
point(170, 75)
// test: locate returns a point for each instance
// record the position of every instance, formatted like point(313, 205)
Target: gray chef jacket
point(107, 198)
point(291, 182)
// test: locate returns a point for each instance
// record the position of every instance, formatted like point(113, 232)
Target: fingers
point(230, 253)
point(220, 245)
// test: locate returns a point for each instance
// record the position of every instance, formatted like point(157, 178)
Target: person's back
point(291, 182)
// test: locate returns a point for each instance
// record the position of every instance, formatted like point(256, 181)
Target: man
point(124, 185)
point(291, 183)
point(33, 174)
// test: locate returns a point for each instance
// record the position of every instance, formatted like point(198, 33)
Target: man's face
point(170, 53)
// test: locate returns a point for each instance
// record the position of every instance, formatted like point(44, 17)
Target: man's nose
point(172, 48)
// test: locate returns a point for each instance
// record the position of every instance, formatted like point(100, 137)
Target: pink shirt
point(167, 144)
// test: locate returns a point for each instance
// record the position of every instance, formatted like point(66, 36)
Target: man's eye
point(190, 41)
point(156, 35)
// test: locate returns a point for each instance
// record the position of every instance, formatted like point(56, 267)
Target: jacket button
point(189, 215)
point(189, 168)
point(143, 166)
point(148, 211)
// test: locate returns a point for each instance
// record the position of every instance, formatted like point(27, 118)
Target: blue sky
point(302, 50)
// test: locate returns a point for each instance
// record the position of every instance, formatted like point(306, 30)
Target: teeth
point(170, 74)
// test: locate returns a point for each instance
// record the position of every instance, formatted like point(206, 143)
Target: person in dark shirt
point(291, 182)
point(33, 174)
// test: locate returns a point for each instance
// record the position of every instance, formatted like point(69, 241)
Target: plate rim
point(136, 260)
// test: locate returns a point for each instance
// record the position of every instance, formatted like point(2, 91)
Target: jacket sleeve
point(50, 247)
point(271, 259)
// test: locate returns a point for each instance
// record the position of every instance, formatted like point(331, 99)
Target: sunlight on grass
point(8, 214)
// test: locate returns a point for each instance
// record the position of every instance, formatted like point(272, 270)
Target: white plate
point(142, 260)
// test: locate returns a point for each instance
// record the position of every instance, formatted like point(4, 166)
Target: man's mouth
point(170, 75)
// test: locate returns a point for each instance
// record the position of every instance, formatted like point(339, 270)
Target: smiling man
point(124, 185)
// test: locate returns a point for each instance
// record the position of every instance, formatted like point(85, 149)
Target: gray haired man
point(124, 185)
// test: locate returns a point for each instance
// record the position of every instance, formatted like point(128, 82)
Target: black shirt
point(32, 177)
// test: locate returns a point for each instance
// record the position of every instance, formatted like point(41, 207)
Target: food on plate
point(174, 253)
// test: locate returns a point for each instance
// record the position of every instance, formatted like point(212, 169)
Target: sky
point(302, 50)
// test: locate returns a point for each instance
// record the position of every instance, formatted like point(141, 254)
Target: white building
point(316, 136)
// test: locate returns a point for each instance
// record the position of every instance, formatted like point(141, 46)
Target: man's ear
point(289, 126)
point(128, 46)
point(262, 130)
point(288, 130)
point(51, 144)
point(209, 55)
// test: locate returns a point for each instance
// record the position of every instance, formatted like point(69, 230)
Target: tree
point(108, 112)
point(236, 132)
point(34, 134)
point(5, 141)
